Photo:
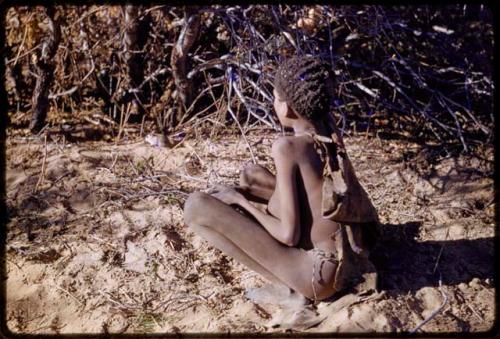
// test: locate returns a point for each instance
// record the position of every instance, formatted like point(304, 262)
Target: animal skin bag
point(344, 199)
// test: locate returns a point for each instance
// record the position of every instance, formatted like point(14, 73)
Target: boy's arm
point(286, 229)
point(284, 234)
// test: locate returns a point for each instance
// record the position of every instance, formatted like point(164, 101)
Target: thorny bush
point(422, 72)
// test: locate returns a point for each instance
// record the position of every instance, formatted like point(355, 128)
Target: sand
point(96, 242)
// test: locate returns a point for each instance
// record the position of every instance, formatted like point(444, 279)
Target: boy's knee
point(193, 207)
point(248, 174)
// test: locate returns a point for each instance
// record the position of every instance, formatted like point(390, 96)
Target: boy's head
point(305, 84)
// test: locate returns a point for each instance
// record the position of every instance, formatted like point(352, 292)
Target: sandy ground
point(96, 242)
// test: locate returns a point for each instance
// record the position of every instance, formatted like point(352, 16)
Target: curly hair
point(304, 82)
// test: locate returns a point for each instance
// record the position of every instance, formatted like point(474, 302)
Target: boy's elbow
point(291, 239)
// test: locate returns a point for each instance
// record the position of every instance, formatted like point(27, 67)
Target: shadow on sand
point(408, 265)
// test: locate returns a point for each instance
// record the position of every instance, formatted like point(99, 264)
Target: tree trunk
point(187, 37)
point(130, 45)
point(45, 72)
point(134, 38)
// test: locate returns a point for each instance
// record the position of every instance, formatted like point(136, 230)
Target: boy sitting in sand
point(319, 224)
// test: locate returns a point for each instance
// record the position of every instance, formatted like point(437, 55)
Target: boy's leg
point(258, 181)
point(248, 242)
point(226, 246)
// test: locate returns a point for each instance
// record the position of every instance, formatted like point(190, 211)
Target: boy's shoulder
point(287, 145)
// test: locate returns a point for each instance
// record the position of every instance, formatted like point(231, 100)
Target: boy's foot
point(299, 318)
point(276, 294)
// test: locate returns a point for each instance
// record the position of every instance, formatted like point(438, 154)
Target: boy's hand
point(228, 195)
